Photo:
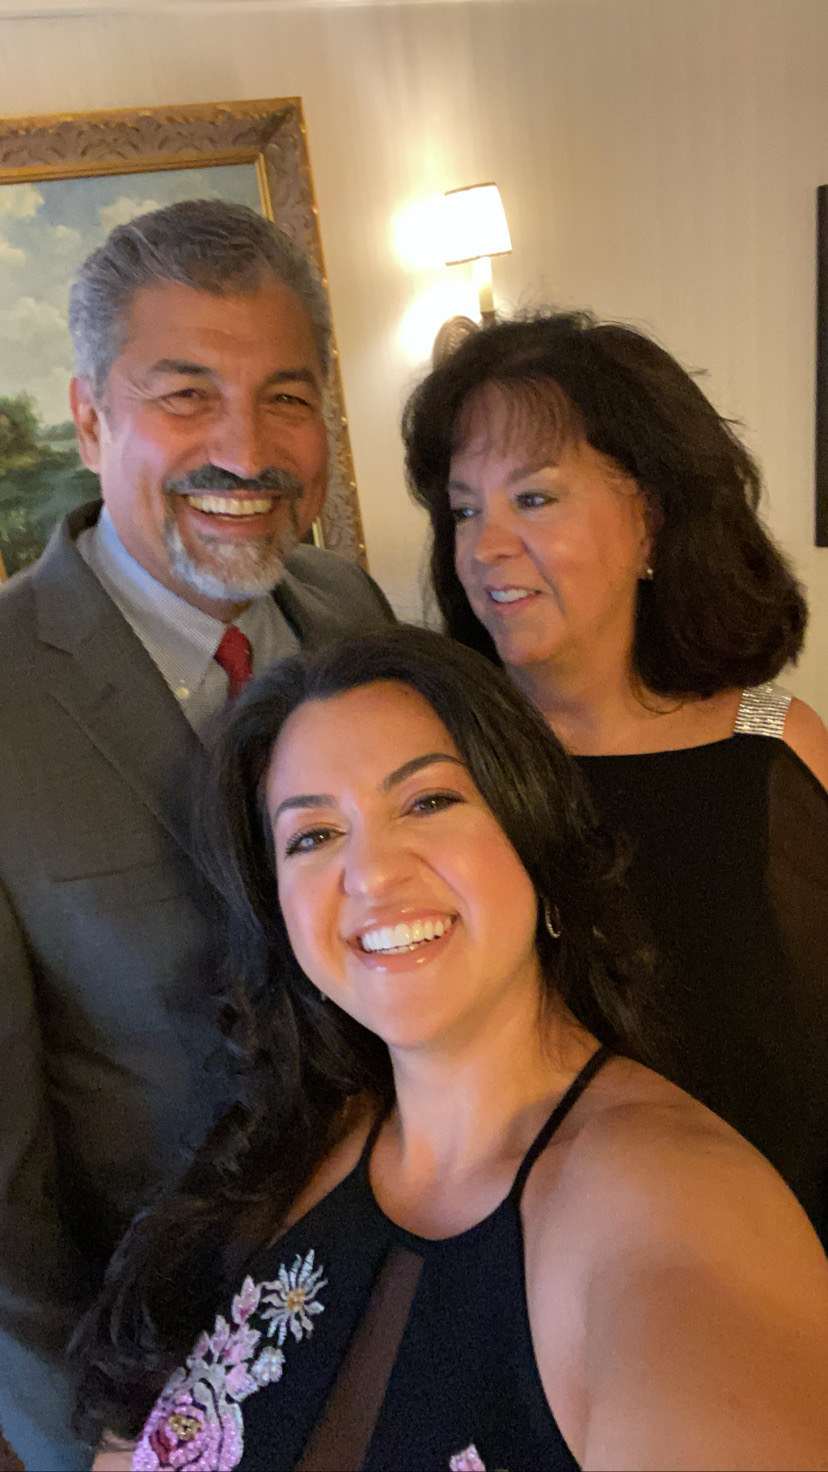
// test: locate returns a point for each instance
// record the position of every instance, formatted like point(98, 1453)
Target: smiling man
point(202, 342)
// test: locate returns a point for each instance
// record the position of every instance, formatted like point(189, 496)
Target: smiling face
point(549, 547)
point(403, 899)
point(210, 443)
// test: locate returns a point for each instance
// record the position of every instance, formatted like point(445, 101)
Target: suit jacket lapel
point(313, 620)
point(103, 677)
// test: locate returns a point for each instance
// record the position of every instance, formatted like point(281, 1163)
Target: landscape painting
point(65, 182)
point(46, 231)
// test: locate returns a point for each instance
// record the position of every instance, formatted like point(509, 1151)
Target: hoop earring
point(551, 919)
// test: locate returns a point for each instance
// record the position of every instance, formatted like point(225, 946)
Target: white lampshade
point(474, 223)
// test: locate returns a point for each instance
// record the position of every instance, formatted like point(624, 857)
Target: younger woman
point(453, 1224)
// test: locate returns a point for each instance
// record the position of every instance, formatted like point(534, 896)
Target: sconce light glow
point(474, 224)
point(426, 315)
point(418, 234)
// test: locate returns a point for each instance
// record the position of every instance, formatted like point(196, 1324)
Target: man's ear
point(313, 499)
point(87, 417)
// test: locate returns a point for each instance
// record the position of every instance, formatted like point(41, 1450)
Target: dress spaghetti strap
point(558, 1115)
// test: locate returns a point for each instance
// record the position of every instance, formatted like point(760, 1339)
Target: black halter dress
point(353, 1343)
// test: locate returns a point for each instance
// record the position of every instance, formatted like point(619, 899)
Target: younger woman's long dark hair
point(306, 1069)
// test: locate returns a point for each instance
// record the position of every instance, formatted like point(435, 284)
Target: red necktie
point(235, 655)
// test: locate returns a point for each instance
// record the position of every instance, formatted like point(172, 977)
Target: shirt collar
point(183, 639)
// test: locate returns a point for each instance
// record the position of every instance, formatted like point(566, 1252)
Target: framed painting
point(65, 181)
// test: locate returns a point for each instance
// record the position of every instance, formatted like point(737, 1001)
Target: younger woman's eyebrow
point(408, 768)
point(305, 800)
point(326, 800)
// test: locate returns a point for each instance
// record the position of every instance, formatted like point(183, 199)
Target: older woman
point(595, 532)
point(454, 1224)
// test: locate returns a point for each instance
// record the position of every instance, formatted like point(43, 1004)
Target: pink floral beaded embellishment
point(197, 1422)
point(467, 1461)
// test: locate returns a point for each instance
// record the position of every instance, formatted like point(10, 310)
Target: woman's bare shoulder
point(670, 1174)
point(703, 1289)
point(665, 1259)
point(805, 732)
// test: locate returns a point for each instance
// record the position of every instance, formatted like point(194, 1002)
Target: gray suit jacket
point(111, 1067)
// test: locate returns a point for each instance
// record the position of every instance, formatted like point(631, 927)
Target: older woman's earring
point(647, 575)
point(551, 919)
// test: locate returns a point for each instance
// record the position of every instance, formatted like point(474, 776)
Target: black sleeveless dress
point(729, 845)
point(355, 1344)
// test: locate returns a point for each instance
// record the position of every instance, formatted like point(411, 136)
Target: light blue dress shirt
point(180, 639)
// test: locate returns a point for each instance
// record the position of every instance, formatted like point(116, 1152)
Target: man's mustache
point(271, 480)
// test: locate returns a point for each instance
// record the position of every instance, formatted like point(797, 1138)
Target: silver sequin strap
point(762, 711)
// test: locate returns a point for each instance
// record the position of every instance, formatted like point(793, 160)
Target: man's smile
point(212, 505)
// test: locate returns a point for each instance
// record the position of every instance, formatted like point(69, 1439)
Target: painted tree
point(19, 428)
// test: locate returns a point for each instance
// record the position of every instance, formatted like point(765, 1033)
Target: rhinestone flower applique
point(292, 1299)
point(197, 1422)
point(467, 1461)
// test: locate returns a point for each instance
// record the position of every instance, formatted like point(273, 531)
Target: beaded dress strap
point(762, 711)
point(556, 1118)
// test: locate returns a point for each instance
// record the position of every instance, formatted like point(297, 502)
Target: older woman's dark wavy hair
point(723, 608)
point(302, 1061)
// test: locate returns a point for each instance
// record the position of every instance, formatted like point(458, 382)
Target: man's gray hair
point(203, 243)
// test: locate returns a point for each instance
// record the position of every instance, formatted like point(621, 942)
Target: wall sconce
point(475, 229)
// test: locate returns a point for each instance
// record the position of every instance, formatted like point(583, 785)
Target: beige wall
point(657, 158)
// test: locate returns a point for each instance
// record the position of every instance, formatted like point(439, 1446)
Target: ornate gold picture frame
point(118, 164)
